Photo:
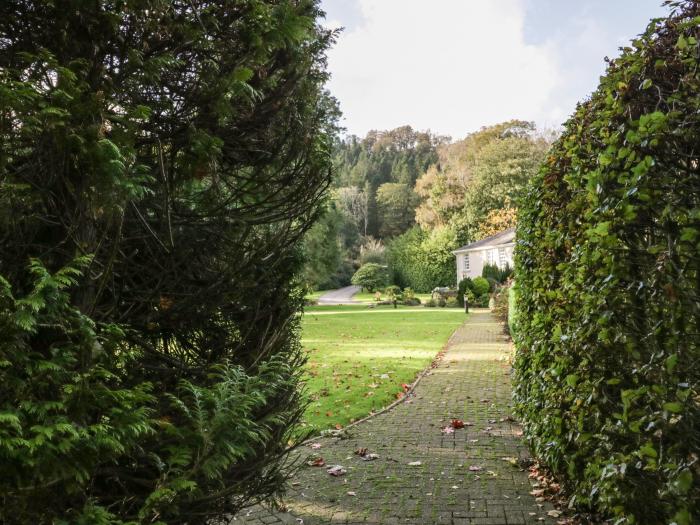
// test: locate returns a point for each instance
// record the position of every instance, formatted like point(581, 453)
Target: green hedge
point(607, 271)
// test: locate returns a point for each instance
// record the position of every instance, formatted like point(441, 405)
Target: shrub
point(185, 146)
point(441, 302)
point(513, 313)
point(372, 251)
point(423, 260)
point(408, 294)
point(393, 292)
point(608, 273)
point(483, 301)
point(413, 301)
point(452, 302)
point(480, 286)
point(464, 285)
point(493, 272)
point(370, 276)
point(431, 303)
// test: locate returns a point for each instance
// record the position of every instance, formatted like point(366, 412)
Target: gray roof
point(504, 237)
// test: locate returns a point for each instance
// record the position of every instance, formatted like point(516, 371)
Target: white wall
point(478, 259)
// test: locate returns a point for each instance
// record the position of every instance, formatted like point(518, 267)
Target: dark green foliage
point(322, 250)
point(396, 157)
point(608, 275)
point(513, 313)
point(185, 147)
point(464, 285)
point(499, 275)
point(371, 277)
point(422, 260)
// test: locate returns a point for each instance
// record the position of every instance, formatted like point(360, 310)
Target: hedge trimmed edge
point(607, 276)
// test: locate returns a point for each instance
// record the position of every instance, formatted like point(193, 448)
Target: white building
point(496, 249)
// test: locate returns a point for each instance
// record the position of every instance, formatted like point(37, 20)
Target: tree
point(496, 221)
point(423, 260)
point(324, 254)
point(160, 163)
point(486, 171)
point(395, 204)
point(370, 276)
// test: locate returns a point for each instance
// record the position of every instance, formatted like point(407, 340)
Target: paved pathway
point(462, 478)
point(340, 296)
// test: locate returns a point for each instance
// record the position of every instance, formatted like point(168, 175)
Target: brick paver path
point(462, 477)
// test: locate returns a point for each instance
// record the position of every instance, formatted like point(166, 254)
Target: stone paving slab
point(471, 383)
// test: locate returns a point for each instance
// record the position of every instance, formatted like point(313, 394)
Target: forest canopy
point(422, 195)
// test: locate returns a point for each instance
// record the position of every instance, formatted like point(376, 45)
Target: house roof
point(504, 237)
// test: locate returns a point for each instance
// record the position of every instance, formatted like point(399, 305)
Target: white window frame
point(466, 262)
point(502, 257)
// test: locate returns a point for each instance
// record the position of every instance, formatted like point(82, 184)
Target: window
point(466, 262)
point(502, 257)
point(489, 257)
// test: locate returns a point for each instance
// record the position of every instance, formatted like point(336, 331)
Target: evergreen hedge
point(608, 273)
point(160, 162)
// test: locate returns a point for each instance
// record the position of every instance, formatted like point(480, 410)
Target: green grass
point(352, 349)
point(313, 296)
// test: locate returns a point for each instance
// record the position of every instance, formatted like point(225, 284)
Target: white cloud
point(448, 65)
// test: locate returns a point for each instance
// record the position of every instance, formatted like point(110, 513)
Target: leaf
point(475, 468)
point(457, 423)
point(673, 407)
point(415, 464)
point(336, 470)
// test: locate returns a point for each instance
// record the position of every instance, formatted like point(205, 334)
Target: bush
point(483, 301)
point(185, 146)
point(423, 260)
point(409, 294)
point(413, 301)
point(431, 303)
point(493, 272)
point(370, 276)
point(464, 285)
point(608, 273)
point(393, 292)
point(452, 302)
point(513, 313)
point(480, 286)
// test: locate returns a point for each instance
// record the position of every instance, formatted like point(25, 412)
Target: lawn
point(360, 357)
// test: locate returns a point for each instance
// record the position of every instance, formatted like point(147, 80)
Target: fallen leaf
point(317, 462)
point(351, 493)
point(315, 445)
point(338, 426)
point(415, 464)
point(554, 513)
point(448, 430)
point(361, 451)
point(336, 470)
point(369, 457)
point(457, 423)
point(475, 468)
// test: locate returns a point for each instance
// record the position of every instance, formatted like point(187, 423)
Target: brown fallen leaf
point(457, 423)
point(554, 513)
point(317, 462)
point(475, 468)
point(361, 451)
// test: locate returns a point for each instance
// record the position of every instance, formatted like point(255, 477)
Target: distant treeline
point(407, 198)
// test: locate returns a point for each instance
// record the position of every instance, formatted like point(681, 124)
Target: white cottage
point(496, 249)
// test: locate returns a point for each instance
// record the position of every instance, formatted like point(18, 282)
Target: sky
point(453, 66)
